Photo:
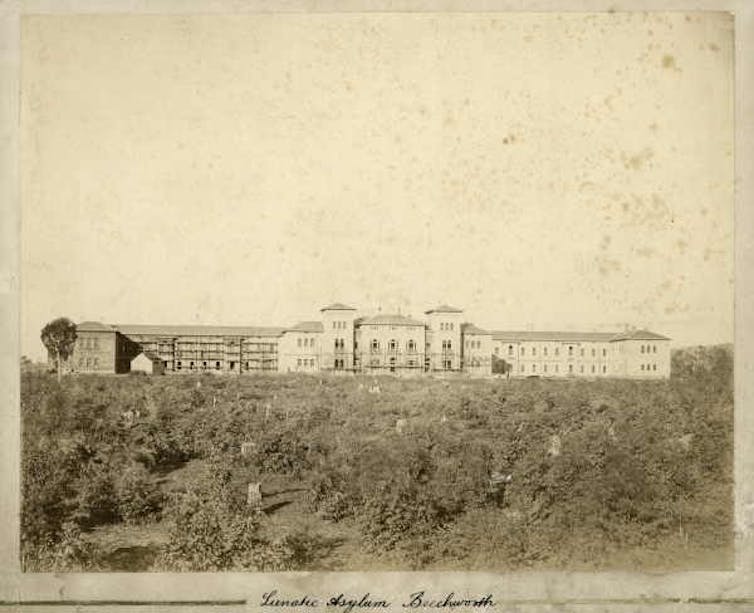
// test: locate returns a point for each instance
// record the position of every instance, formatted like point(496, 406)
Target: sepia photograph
point(381, 291)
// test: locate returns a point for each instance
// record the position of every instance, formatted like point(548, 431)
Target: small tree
point(59, 336)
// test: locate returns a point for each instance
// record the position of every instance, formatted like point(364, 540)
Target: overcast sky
point(545, 171)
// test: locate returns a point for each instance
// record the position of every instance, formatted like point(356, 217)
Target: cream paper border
point(718, 590)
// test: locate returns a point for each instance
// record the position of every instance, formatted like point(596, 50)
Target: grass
point(619, 440)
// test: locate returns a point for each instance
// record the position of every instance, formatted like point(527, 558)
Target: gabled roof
point(443, 308)
point(307, 326)
point(93, 326)
point(472, 329)
point(574, 337)
point(639, 335)
point(173, 330)
point(337, 306)
point(390, 320)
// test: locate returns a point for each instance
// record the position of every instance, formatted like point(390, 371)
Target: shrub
point(96, 498)
point(138, 496)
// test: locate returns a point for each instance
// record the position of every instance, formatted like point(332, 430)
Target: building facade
point(341, 341)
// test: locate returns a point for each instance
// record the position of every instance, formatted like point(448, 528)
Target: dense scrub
point(596, 467)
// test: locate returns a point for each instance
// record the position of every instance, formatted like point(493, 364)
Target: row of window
point(557, 351)
point(647, 348)
point(446, 326)
point(339, 325)
point(375, 362)
point(306, 342)
point(393, 345)
point(556, 369)
point(447, 346)
point(306, 362)
point(218, 347)
point(89, 343)
point(474, 344)
point(647, 366)
point(340, 343)
point(204, 365)
point(264, 364)
point(89, 363)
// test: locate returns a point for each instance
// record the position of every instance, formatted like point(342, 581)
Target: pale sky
point(537, 170)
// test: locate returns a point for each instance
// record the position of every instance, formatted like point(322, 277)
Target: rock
point(254, 495)
point(554, 446)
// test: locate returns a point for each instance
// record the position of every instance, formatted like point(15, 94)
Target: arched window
point(375, 345)
point(411, 346)
point(510, 349)
point(642, 348)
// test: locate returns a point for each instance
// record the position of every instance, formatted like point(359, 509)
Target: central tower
point(444, 338)
point(336, 349)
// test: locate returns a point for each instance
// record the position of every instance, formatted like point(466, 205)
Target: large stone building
point(340, 341)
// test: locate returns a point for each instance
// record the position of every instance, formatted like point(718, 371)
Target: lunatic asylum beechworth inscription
point(348, 603)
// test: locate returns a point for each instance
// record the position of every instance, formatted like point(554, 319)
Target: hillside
point(143, 473)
